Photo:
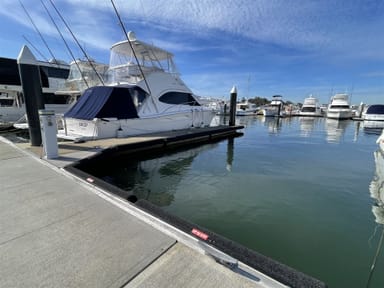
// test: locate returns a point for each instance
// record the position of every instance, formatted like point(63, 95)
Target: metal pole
point(232, 107)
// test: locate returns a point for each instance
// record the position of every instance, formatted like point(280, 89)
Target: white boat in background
point(141, 97)
point(311, 107)
point(374, 113)
point(246, 108)
point(82, 75)
point(339, 108)
point(275, 108)
point(52, 75)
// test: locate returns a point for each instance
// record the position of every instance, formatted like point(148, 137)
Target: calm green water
point(297, 190)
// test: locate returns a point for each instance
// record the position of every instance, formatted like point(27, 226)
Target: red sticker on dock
point(90, 180)
point(200, 234)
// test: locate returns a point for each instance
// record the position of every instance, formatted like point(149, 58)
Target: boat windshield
point(308, 109)
point(375, 109)
point(339, 107)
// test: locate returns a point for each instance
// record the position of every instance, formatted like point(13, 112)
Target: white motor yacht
point(82, 75)
point(339, 108)
point(374, 113)
point(144, 94)
point(311, 107)
point(52, 75)
point(275, 108)
point(246, 108)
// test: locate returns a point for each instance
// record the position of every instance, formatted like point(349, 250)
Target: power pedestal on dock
point(48, 133)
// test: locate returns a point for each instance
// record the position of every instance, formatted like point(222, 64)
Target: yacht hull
point(339, 114)
point(112, 128)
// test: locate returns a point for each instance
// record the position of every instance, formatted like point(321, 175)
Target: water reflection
point(307, 125)
point(373, 127)
point(273, 123)
point(157, 178)
point(376, 189)
point(335, 129)
point(246, 120)
point(230, 152)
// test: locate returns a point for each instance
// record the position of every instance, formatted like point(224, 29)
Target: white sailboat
point(140, 97)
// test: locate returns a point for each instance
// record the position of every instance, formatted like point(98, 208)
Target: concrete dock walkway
point(56, 231)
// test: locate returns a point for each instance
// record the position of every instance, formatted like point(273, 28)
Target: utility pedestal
point(49, 133)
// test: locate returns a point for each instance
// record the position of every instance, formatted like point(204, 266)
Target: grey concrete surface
point(57, 232)
point(183, 267)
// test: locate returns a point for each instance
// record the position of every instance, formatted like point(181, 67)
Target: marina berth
point(151, 242)
point(339, 107)
point(141, 96)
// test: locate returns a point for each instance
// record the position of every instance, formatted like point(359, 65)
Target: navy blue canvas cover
point(104, 102)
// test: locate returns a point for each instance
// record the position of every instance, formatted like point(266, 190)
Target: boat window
point(375, 109)
point(339, 107)
point(6, 102)
point(180, 98)
point(138, 95)
point(308, 109)
point(9, 72)
point(52, 72)
point(51, 98)
point(55, 72)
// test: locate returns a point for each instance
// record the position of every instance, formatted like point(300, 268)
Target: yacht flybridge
point(143, 94)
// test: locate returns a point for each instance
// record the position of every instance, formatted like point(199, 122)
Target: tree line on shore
point(259, 101)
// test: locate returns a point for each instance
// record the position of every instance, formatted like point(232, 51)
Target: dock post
point(232, 107)
point(33, 95)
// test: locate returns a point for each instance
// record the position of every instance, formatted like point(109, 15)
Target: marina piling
point(32, 91)
point(232, 107)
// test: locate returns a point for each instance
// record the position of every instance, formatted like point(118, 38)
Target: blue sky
point(264, 47)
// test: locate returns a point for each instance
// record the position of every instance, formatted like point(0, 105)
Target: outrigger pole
point(66, 45)
point(130, 44)
point(38, 32)
point(77, 42)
